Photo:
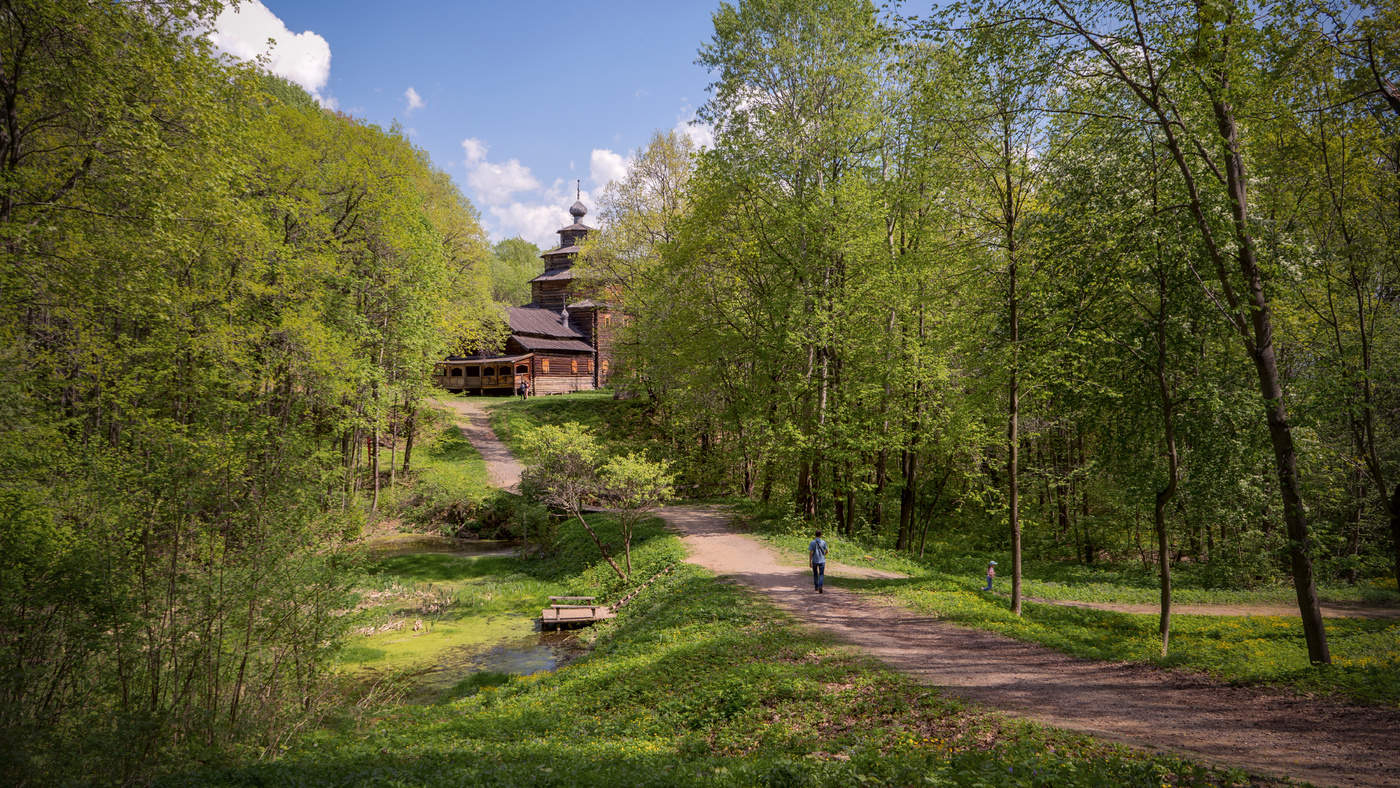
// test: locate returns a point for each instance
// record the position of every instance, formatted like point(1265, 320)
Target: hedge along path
point(1260, 730)
point(1263, 731)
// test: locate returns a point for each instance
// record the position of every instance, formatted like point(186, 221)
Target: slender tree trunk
point(910, 467)
point(602, 548)
point(1256, 330)
point(1165, 495)
point(1013, 426)
point(806, 505)
point(877, 503)
point(410, 429)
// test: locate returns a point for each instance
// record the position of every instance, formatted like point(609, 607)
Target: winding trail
point(1264, 731)
point(472, 419)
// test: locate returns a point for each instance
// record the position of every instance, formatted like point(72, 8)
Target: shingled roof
point(554, 276)
point(561, 251)
point(536, 343)
point(539, 322)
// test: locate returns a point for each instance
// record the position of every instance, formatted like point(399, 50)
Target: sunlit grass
point(701, 682)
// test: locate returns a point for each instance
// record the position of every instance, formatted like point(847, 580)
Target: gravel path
point(1263, 731)
point(471, 418)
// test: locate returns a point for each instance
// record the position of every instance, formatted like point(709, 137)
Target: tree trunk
point(1013, 433)
point(410, 429)
point(910, 467)
point(1165, 495)
point(602, 548)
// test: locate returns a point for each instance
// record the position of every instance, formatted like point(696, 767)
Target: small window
point(523, 369)
point(456, 371)
point(607, 319)
point(573, 366)
point(544, 365)
point(605, 366)
point(590, 365)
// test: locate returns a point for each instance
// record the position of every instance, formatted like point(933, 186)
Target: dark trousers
point(818, 574)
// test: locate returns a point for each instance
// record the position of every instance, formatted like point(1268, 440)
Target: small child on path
point(816, 551)
point(991, 573)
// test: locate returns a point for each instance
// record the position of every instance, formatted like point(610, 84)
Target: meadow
point(698, 682)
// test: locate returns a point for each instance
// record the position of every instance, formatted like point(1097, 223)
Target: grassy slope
point(1366, 654)
point(1267, 649)
point(619, 424)
point(698, 682)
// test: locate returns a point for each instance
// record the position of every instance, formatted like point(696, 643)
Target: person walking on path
point(816, 551)
point(991, 573)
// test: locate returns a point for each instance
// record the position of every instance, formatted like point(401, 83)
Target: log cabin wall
point(605, 331)
point(561, 373)
point(551, 295)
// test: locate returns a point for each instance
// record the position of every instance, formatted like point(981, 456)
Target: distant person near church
point(523, 389)
point(817, 552)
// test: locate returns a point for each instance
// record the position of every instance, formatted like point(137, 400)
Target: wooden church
point(559, 342)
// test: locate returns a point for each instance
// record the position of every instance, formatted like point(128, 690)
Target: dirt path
point(1266, 732)
point(1263, 731)
point(471, 418)
point(1329, 609)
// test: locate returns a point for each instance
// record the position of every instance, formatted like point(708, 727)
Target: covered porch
point(496, 375)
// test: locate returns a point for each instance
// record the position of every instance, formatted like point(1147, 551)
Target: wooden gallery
point(556, 345)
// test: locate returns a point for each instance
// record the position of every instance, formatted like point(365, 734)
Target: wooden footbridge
point(580, 611)
point(560, 614)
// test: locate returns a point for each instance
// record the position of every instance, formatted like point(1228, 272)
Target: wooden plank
point(561, 614)
point(584, 598)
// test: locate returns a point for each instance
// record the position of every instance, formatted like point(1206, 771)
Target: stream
point(520, 648)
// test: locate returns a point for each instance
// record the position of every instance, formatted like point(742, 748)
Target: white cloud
point(414, 100)
point(604, 166)
point(687, 125)
point(514, 203)
point(535, 222)
point(475, 150)
point(304, 58)
point(495, 183)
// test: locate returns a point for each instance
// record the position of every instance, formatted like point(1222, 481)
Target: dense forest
point(1078, 280)
point(220, 303)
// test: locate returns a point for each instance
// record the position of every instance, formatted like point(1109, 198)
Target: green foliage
point(568, 472)
point(1255, 649)
point(514, 262)
point(620, 425)
point(219, 303)
point(700, 683)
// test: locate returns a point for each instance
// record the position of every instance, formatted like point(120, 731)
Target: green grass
point(621, 425)
point(1255, 649)
point(416, 607)
point(699, 682)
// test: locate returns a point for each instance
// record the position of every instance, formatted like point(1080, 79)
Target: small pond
point(522, 656)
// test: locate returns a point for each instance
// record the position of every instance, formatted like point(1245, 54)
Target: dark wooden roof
point(540, 322)
point(567, 345)
point(576, 226)
point(554, 276)
point(480, 358)
point(561, 251)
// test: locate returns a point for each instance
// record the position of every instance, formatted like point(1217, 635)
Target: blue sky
point(514, 99)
